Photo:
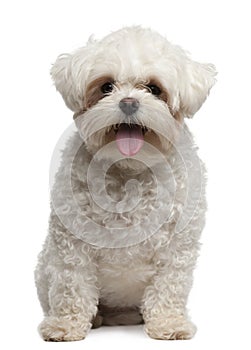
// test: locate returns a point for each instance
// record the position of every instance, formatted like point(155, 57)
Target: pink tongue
point(129, 139)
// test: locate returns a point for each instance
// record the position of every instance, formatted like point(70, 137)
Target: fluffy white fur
point(87, 275)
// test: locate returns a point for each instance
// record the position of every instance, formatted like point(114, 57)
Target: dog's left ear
point(196, 83)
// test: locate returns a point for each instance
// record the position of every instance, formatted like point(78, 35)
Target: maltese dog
point(128, 200)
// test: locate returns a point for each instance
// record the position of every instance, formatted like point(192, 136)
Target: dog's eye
point(107, 88)
point(154, 89)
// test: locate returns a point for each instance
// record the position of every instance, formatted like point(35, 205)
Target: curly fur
point(108, 275)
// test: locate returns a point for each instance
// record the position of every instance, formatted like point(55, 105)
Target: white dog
point(128, 201)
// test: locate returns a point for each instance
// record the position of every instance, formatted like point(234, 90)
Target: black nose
point(129, 105)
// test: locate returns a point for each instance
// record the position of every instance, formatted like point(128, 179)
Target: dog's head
point(134, 88)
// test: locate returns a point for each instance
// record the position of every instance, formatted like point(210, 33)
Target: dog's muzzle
point(129, 105)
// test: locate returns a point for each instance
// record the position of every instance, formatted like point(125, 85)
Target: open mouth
point(129, 138)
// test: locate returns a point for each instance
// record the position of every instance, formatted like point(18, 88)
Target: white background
point(33, 116)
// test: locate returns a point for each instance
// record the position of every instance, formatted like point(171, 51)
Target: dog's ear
point(196, 83)
point(61, 74)
point(69, 75)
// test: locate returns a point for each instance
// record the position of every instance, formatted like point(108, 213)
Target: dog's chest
point(121, 201)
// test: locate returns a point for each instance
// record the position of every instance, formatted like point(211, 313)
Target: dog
point(128, 202)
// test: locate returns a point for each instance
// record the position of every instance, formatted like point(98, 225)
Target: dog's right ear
point(63, 80)
point(69, 75)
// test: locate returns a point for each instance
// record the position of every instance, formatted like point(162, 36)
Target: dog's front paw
point(63, 328)
point(170, 328)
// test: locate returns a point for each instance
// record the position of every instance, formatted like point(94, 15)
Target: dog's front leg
point(72, 307)
point(164, 301)
point(66, 274)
